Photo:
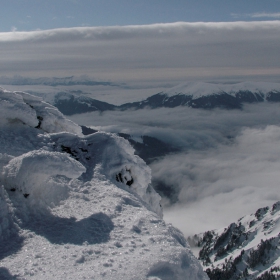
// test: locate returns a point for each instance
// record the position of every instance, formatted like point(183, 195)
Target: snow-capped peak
point(198, 89)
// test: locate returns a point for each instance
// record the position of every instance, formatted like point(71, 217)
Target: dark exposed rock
point(87, 130)
point(40, 119)
point(150, 148)
point(70, 151)
point(238, 252)
point(71, 104)
point(261, 212)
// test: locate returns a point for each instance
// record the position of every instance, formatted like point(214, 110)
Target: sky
point(147, 55)
point(27, 15)
point(141, 44)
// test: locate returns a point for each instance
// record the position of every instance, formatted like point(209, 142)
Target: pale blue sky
point(26, 15)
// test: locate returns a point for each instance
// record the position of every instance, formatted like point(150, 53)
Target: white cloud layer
point(230, 164)
point(224, 184)
point(158, 52)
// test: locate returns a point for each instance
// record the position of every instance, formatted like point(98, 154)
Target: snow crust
point(8, 228)
point(13, 108)
point(33, 174)
point(79, 207)
point(51, 120)
point(107, 155)
point(198, 89)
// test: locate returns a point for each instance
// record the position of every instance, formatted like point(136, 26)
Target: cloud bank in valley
point(230, 162)
point(158, 53)
point(221, 185)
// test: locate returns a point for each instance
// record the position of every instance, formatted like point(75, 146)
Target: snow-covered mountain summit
point(246, 249)
point(79, 207)
point(209, 95)
point(199, 89)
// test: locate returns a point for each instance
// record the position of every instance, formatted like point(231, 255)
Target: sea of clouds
point(228, 165)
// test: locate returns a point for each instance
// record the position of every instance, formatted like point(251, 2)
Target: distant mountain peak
point(199, 89)
point(196, 95)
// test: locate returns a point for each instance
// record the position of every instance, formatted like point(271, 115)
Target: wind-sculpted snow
point(13, 108)
point(105, 154)
point(35, 173)
point(79, 207)
point(49, 118)
point(31, 110)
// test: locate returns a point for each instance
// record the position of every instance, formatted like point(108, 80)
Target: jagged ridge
point(246, 249)
point(194, 95)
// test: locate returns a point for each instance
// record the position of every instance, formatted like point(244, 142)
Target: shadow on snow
point(94, 229)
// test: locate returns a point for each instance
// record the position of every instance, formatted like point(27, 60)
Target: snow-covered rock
point(50, 119)
point(8, 227)
point(79, 207)
point(36, 175)
point(246, 249)
point(25, 108)
point(110, 156)
point(13, 108)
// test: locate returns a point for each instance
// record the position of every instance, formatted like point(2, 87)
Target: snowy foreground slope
point(246, 249)
point(79, 207)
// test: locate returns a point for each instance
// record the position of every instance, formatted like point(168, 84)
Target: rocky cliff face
point(246, 249)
